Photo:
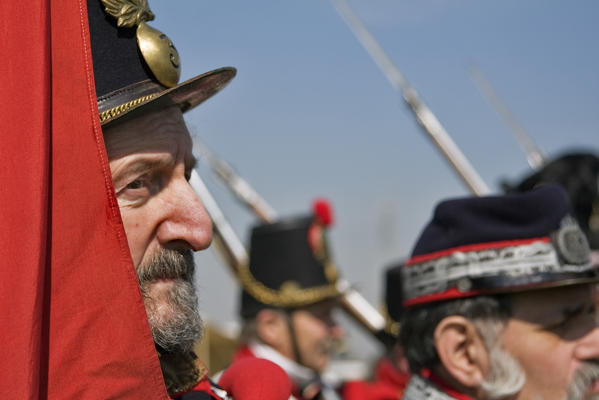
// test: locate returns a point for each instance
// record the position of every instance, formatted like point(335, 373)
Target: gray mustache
point(167, 264)
point(584, 376)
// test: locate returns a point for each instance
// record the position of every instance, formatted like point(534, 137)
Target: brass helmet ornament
point(157, 49)
point(136, 65)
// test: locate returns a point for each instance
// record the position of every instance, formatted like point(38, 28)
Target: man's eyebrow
point(564, 313)
point(140, 166)
point(580, 308)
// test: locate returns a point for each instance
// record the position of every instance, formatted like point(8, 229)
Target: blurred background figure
point(288, 298)
point(392, 371)
point(578, 174)
point(499, 302)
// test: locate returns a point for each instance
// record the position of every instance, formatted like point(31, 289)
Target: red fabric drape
point(72, 321)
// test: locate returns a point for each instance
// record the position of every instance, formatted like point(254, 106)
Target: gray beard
point(174, 317)
point(585, 375)
point(506, 377)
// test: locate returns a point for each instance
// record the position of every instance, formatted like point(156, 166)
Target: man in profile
point(140, 103)
point(499, 298)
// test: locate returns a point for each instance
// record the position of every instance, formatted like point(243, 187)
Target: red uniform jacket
point(389, 384)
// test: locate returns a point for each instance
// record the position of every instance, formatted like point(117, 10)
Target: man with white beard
point(499, 302)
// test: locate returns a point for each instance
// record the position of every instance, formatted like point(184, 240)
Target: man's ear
point(462, 351)
point(271, 327)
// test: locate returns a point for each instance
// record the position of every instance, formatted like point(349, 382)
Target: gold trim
point(392, 326)
point(115, 111)
point(289, 295)
point(330, 272)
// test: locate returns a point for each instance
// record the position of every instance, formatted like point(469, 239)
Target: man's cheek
point(138, 239)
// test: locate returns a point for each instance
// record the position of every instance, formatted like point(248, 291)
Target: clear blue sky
point(310, 114)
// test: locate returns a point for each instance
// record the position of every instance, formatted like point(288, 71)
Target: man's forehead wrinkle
point(157, 131)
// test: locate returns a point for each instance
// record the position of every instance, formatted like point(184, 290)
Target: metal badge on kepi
point(156, 48)
point(571, 243)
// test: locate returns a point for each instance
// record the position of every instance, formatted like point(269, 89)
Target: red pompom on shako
point(323, 211)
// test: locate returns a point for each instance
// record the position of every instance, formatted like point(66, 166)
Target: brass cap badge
point(156, 48)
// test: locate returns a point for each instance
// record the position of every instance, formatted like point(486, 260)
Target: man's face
point(151, 161)
point(554, 337)
point(316, 332)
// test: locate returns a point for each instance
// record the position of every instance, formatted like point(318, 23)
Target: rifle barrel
point(239, 186)
point(229, 245)
point(535, 157)
point(425, 117)
point(235, 254)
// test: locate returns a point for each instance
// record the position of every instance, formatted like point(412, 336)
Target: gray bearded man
point(499, 299)
point(141, 105)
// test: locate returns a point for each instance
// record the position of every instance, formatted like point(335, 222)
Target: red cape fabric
point(72, 320)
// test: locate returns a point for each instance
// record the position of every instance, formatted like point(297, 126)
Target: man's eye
point(574, 315)
point(136, 184)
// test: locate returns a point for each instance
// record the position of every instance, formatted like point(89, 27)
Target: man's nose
point(185, 223)
point(588, 346)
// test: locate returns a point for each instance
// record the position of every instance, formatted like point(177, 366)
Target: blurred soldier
point(499, 302)
point(140, 102)
point(393, 368)
point(578, 173)
point(287, 300)
point(392, 371)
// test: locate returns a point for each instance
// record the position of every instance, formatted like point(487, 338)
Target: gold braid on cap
point(290, 294)
point(128, 13)
point(115, 111)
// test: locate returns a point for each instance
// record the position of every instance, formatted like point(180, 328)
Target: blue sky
point(310, 114)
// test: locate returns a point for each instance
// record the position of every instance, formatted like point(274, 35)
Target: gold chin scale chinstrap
point(290, 293)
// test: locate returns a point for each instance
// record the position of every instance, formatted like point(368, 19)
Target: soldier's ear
point(271, 327)
point(462, 352)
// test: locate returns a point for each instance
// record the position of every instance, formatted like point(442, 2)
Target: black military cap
point(494, 244)
point(135, 64)
point(290, 265)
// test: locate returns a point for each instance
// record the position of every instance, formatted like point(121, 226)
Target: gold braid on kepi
point(136, 64)
point(289, 267)
point(123, 108)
